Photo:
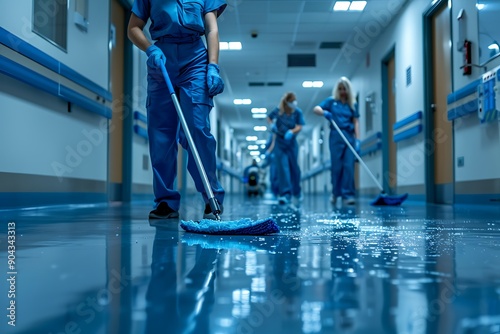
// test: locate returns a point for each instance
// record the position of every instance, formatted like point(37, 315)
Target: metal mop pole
point(214, 205)
point(357, 156)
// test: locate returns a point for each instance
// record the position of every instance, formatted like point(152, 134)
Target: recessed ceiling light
point(252, 147)
point(259, 115)
point(242, 101)
point(312, 84)
point(357, 5)
point(252, 138)
point(260, 128)
point(259, 110)
point(480, 6)
point(230, 45)
point(254, 153)
point(341, 5)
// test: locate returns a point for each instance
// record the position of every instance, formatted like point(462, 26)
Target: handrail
point(15, 43)
point(408, 127)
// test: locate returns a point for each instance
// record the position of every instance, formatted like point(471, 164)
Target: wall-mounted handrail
point(408, 127)
point(15, 43)
point(33, 78)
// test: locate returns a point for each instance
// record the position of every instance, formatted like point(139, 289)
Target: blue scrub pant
point(342, 164)
point(187, 68)
point(287, 167)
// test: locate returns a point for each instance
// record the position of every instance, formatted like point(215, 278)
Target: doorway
point(389, 148)
point(439, 131)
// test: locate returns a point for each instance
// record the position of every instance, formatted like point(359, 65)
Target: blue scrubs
point(286, 152)
point(342, 158)
point(177, 27)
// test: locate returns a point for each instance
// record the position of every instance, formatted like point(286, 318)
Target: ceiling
point(286, 27)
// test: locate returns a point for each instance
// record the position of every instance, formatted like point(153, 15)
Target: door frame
point(428, 115)
point(391, 54)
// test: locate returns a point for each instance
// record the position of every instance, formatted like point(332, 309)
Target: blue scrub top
point(286, 122)
point(342, 113)
point(176, 18)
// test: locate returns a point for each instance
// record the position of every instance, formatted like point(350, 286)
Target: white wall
point(478, 143)
point(87, 52)
point(474, 141)
point(405, 36)
point(39, 136)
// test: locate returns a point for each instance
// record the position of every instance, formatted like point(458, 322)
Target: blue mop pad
point(239, 242)
point(384, 199)
point(244, 226)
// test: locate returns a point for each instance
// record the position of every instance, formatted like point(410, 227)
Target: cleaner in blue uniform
point(287, 121)
point(177, 27)
point(340, 108)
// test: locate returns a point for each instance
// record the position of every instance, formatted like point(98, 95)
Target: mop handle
point(206, 184)
point(357, 155)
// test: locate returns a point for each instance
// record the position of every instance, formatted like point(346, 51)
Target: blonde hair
point(347, 85)
point(284, 108)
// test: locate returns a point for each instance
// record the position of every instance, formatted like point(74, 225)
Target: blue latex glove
point(214, 81)
point(357, 146)
point(288, 135)
point(155, 57)
point(328, 115)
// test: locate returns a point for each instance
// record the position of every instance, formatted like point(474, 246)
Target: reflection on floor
point(105, 269)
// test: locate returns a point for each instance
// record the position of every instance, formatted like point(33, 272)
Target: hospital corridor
point(250, 166)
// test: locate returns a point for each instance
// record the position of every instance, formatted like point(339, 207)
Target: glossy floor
point(106, 269)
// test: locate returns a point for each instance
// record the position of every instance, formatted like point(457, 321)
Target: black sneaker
point(163, 211)
point(208, 214)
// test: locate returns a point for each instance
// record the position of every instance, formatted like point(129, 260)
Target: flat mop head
point(244, 226)
point(384, 199)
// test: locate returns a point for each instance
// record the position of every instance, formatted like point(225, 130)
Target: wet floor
point(105, 269)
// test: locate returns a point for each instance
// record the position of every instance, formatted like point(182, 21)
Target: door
point(115, 156)
point(442, 135)
point(389, 147)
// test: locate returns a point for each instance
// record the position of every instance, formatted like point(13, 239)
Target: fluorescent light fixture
point(357, 5)
point(317, 84)
point(480, 6)
point(260, 142)
point(259, 110)
point(341, 5)
point(252, 138)
point(234, 45)
point(259, 115)
point(312, 84)
point(230, 46)
point(260, 128)
point(254, 153)
point(242, 101)
point(253, 147)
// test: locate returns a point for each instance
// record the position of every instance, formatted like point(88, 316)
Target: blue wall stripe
point(407, 120)
point(466, 108)
point(84, 102)
point(16, 71)
point(72, 75)
point(141, 131)
point(30, 77)
point(141, 117)
point(464, 91)
point(408, 133)
point(15, 43)
point(375, 137)
point(370, 149)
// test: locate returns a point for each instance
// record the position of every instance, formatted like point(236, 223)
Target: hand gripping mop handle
point(357, 156)
point(214, 205)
